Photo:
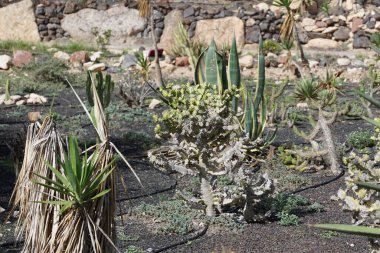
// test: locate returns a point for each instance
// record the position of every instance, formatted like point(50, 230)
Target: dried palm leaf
point(144, 8)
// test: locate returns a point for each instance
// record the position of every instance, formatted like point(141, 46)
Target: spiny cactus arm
point(109, 86)
point(211, 64)
point(370, 186)
point(308, 155)
point(310, 136)
point(351, 229)
point(329, 143)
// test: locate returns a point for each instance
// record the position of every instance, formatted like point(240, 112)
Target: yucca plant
point(81, 183)
point(104, 88)
point(143, 63)
point(37, 220)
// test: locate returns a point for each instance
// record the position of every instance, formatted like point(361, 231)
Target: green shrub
point(361, 139)
point(271, 46)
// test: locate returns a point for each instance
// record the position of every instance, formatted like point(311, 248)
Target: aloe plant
point(104, 87)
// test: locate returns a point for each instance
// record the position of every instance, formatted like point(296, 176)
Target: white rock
point(330, 29)
point(16, 97)
point(246, 61)
point(95, 56)
point(21, 102)
point(250, 22)
point(154, 103)
point(377, 25)
point(313, 63)
point(224, 29)
point(124, 23)
point(9, 102)
point(322, 44)
point(18, 22)
point(87, 64)
point(97, 67)
point(308, 22)
point(310, 28)
point(343, 61)
point(63, 56)
point(263, 6)
point(302, 105)
point(2, 210)
point(5, 61)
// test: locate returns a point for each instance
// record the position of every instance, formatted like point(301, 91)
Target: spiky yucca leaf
point(234, 73)
point(144, 8)
point(306, 90)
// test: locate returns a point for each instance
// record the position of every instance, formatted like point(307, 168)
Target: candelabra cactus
point(104, 87)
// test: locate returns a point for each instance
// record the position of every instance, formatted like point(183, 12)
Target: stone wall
point(352, 23)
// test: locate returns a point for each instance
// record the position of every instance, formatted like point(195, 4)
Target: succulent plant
point(104, 87)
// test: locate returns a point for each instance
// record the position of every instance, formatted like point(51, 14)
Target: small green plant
point(286, 219)
point(184, 46)
point(143, 62)
point(104, 88)
point(102, 39)
point(271, 46)
point(376, 39)
point(325, 7)
point(134, 249)
point(329, 234)
point(361, 139)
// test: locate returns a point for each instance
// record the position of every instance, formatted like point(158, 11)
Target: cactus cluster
point(104, 87)
point(205, 142)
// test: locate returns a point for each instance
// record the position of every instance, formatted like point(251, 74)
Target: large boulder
point(171, 24)
point(5, 61)
point(17, 22)
point(222, 30)
point(123, 22)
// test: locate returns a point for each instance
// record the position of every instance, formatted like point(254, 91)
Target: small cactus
point(104, 87)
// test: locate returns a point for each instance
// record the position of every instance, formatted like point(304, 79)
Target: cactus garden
point(206, 145)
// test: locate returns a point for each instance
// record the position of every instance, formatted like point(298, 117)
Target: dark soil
point(267, 237)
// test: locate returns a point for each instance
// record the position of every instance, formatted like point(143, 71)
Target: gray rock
point(40, 10)
point(342, 34)
point(158, 32)
point(188, 12)
point(54, 20)
point(42, 27)
point(264, 26)
point(303, 37)
point(361, 42)
point(127, 61)
point(252, 34)
point(160, 25)
point(371, 24)
point(70, 7)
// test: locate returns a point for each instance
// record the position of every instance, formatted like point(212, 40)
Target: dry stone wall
point(354, 24)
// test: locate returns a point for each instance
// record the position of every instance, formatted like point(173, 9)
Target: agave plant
point(255, 107)
point(211, 68)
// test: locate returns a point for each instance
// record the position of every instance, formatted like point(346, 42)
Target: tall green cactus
point(103, 87)
point(211, 68)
